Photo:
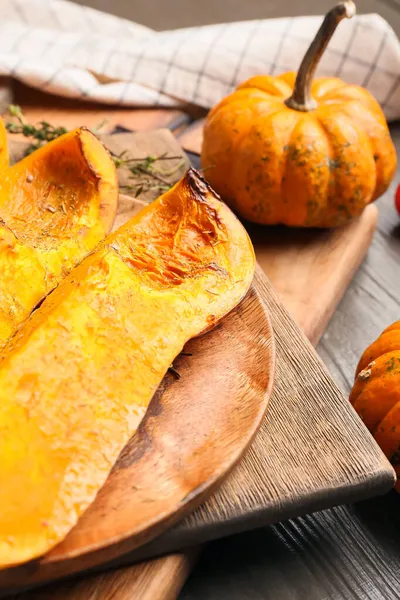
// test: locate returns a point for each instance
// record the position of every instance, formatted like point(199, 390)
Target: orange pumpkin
point(289, 150)
point(376, 392)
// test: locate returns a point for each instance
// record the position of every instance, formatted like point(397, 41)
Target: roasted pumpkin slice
point(56, 205)
point(76, 379)
point(3, 147)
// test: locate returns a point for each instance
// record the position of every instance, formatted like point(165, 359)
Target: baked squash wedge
point(76, 379)
point(56, 205)
point(3, 147)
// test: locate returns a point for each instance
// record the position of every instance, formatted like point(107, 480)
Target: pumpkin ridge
point(355, 93)
point(387, 433)
point(383, 345)
point(250, 95)
point(373, 414)
point(262, 170)
point(393, 327)
point(379, 379)
point(319, 91)
point(360, 114)
point(266, 83)
point(223, 183)
point(239, 140)
point(288, 77)
point(308, 149)
point(351, 188)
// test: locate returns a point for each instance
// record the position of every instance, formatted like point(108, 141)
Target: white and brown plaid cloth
point(75, 51)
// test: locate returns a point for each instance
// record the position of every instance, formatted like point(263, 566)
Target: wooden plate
point(196, 429)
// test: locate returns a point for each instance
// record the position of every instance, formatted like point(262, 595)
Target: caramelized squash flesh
point(56, 205)
point(3, 147)
point(77, 378)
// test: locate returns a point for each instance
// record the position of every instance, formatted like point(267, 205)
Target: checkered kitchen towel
point(75, 51)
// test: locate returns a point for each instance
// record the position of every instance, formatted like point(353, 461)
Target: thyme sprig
point(42, 132)
point(146, 173)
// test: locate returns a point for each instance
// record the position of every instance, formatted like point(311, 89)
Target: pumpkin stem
point(301, 98)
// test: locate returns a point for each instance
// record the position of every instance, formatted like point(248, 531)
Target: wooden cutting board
point(306, 407)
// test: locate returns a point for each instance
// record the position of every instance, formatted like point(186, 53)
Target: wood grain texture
point(71, 113)
point(311, 269)
point(276, 480)
point(346, 553)
point(132, 583)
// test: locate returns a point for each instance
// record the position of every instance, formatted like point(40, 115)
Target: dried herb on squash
point(376, 392)
point(76, 379)
point(300, 152)
point(55, 206)
point(145, 174)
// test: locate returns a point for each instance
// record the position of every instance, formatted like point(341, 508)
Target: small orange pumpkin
point(289, 150)
point(376, 392)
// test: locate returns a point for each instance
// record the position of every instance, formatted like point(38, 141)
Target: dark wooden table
point(349, 552)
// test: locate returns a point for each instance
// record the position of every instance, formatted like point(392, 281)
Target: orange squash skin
point(4, 158)
point(56, 205)
point(376, 392)
point(320, 168)
point(77, 377)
